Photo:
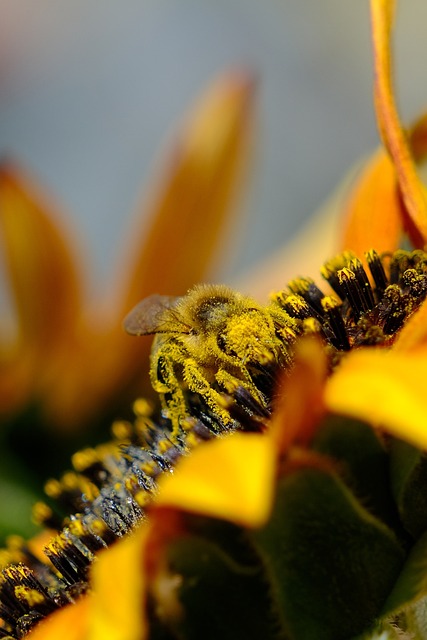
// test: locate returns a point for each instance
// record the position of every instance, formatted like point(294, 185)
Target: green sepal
point(332, 562)
point(223, 589)
point(363, 463)
point(408, 468)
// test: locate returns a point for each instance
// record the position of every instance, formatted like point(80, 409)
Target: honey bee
point(212, 346)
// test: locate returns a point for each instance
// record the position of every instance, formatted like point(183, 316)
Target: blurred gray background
point(88, 90)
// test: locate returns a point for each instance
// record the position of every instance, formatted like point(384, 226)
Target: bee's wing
point(150, 316)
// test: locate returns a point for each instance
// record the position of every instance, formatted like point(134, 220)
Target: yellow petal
point(384, 388)
point(231, 478)
point(68, 623)
point(118, 591)
point(374, 216)
point(412, 190)
point(44, 282)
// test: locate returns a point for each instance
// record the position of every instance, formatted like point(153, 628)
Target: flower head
point(279, 489)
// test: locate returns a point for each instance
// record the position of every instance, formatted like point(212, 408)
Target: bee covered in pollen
point(215, 354)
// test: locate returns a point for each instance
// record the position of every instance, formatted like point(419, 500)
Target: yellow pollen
point(122, 429)
point(52, 488)
point(142, 407)
point(41, 512)
point(31, 596)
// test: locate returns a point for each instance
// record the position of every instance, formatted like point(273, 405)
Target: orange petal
point(68, 623)
point(193, 201)
point(118, 591)
point(230, 478)
point(300, 405)
point(412, 190)
point(383, 388)
point(373, 211)
point(42, 272)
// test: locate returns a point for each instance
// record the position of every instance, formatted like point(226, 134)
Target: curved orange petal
point(230, 478)
point(68, 623)
point(411, 188)
point(383, 388)
point(373, 212)
point(41, 269)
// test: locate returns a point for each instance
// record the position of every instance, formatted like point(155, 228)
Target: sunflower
point(279, 490)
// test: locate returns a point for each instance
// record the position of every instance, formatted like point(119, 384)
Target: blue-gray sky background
point(88, 90)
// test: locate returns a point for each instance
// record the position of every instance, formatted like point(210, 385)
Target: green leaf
point(332, 562)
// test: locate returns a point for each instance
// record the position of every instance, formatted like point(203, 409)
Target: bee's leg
point(232, 384)
point(166, 360)
point(196, 381)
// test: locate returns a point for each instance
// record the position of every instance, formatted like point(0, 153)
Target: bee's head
point(207, 307)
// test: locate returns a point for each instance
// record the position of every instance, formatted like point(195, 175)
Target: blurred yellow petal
point(191, 205)
point(118, 583)
point(188, 214)
point(384, 388)
point(230, 478)
point(412, 190)
point(44, 282)
point(373, 213)
point(68, 623)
